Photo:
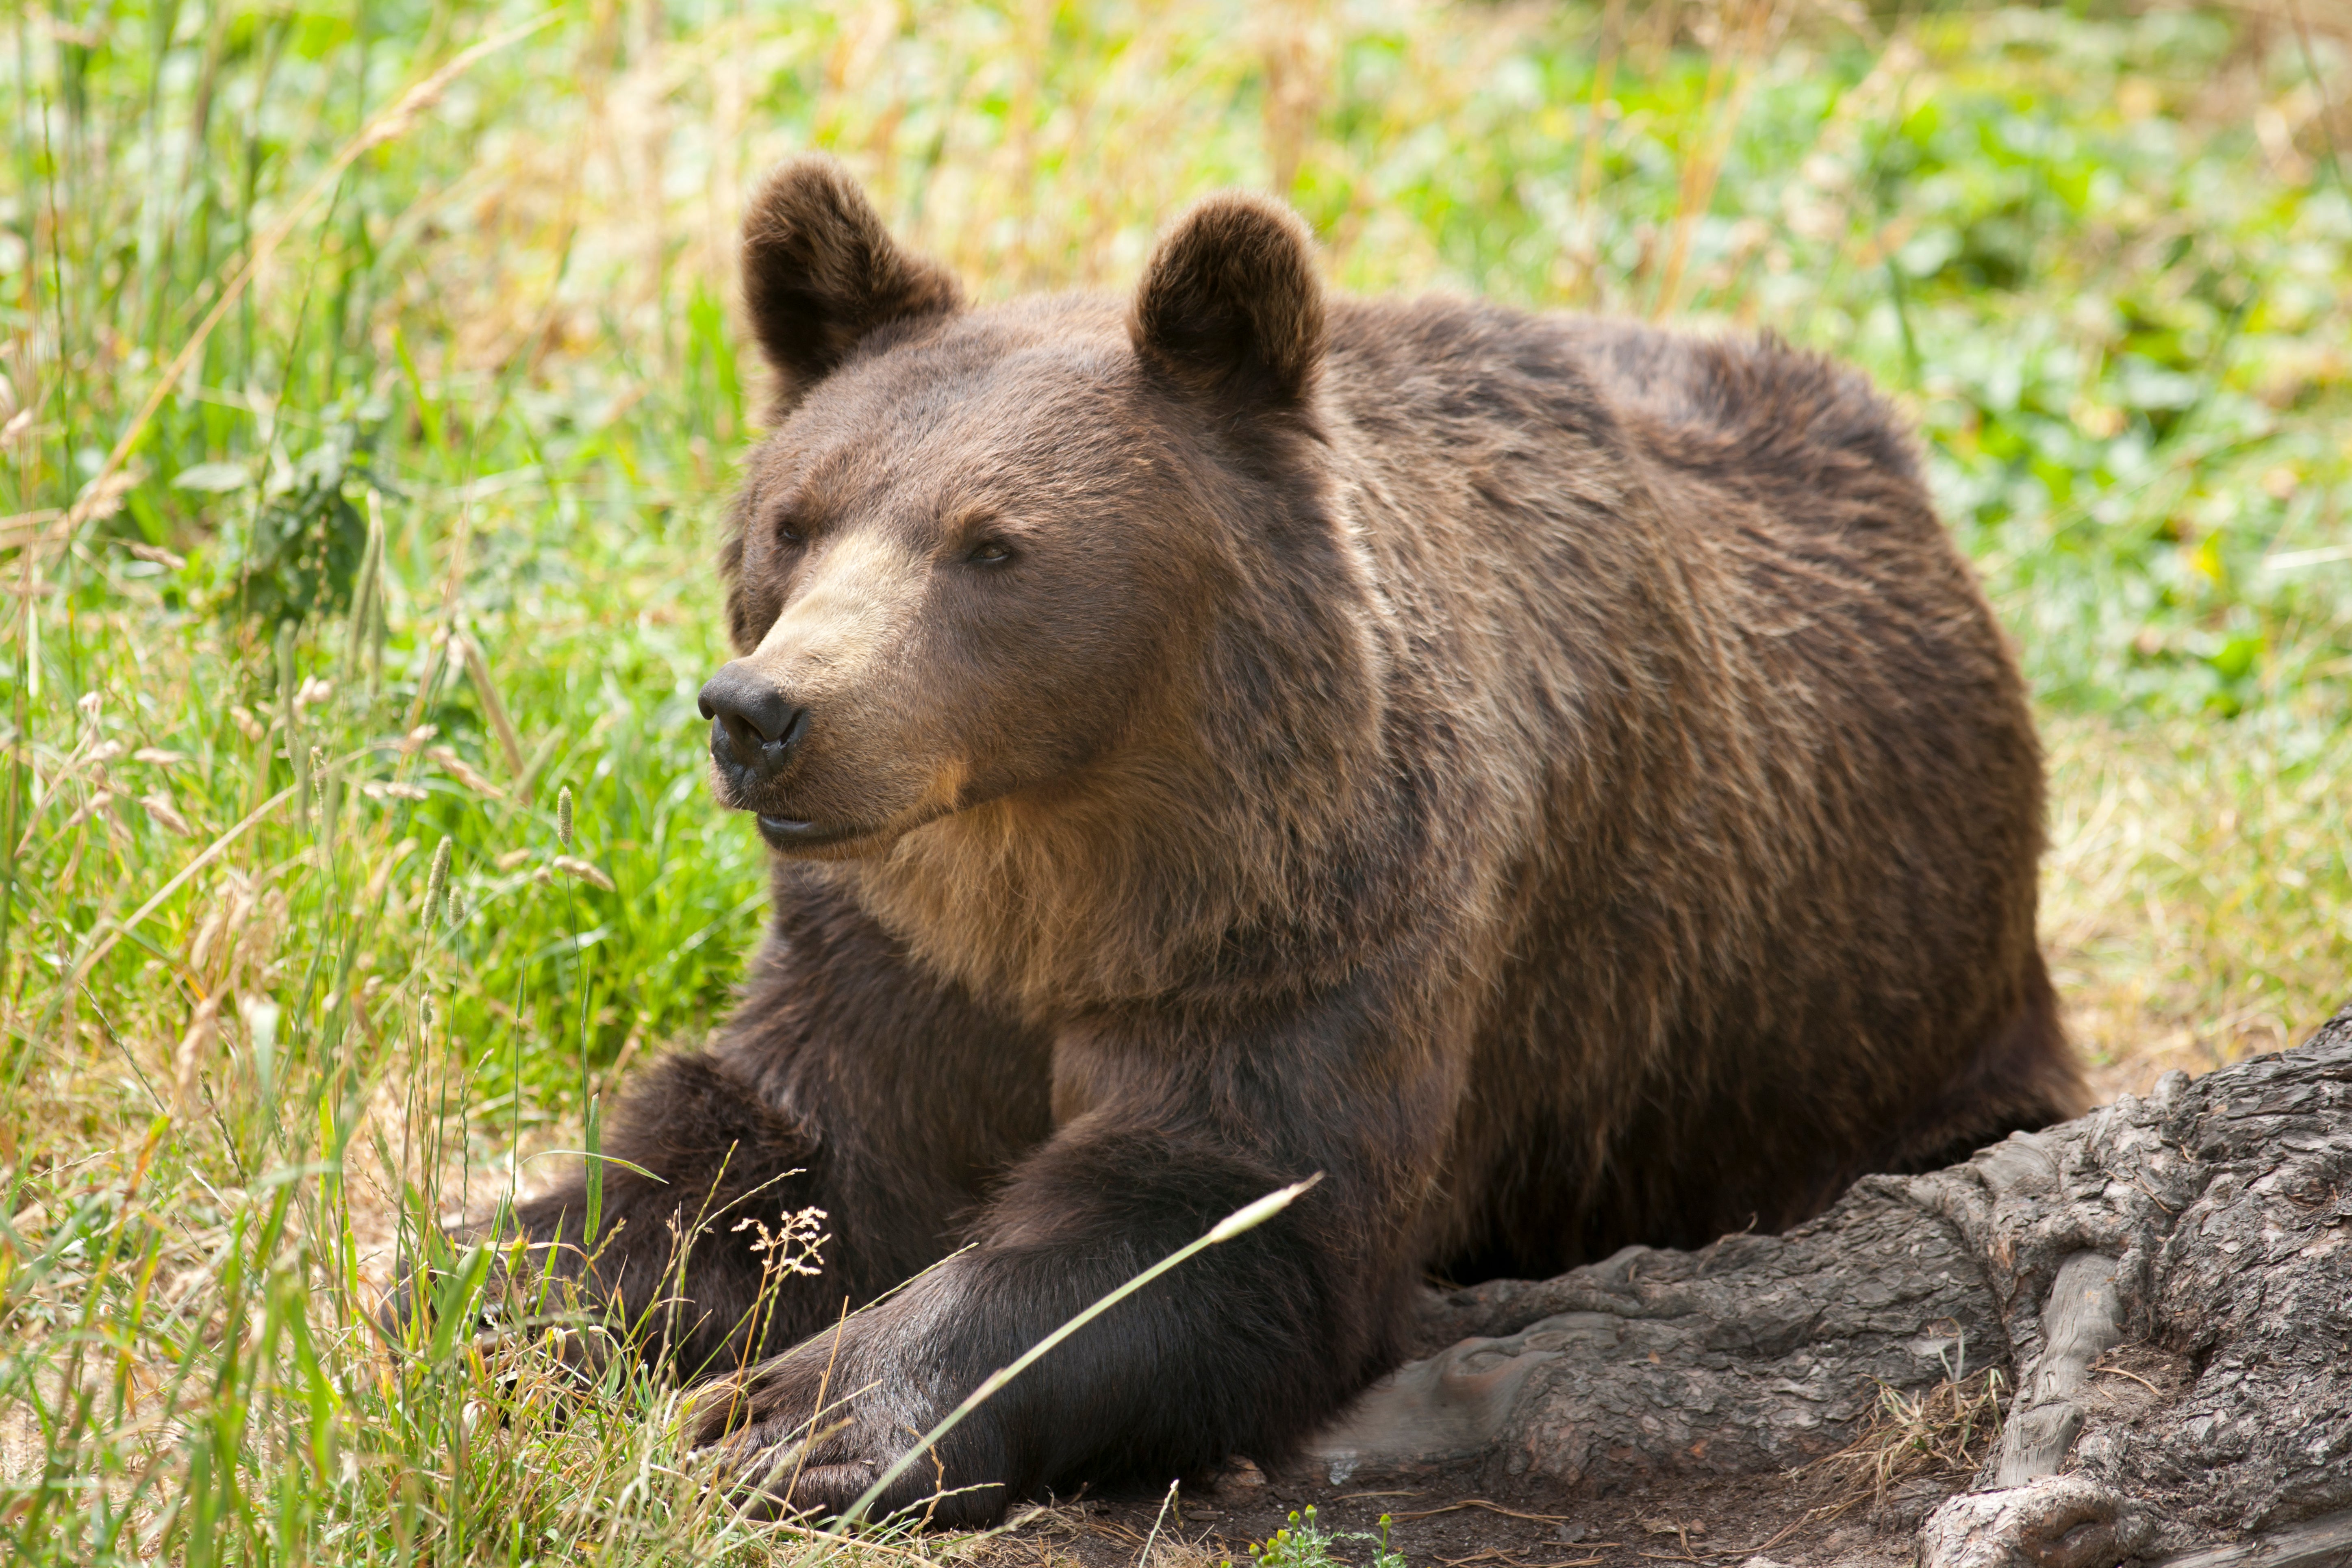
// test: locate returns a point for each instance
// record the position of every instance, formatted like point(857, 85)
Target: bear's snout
point(756, 728)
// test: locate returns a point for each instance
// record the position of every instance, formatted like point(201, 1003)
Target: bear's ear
point(821, 273)
point(1230, 306)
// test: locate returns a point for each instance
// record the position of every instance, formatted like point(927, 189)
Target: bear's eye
point(988, 552)
point(788, 531)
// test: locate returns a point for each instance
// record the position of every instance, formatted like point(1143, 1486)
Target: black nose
point(753, 723)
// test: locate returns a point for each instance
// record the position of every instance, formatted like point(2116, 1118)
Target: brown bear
point(1556, 779)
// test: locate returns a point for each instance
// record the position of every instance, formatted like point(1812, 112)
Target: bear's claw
point(784, 1453)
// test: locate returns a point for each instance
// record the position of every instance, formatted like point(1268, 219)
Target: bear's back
point(1747, 416)
point(1682, 647)
point(1590, 511)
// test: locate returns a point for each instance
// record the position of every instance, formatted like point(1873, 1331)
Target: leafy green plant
point(1304, 1543)
point(299, 553)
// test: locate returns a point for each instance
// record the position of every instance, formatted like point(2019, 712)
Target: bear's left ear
point(1230, 306)
point(821, 273)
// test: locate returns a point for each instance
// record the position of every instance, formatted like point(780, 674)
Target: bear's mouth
point(791, 833)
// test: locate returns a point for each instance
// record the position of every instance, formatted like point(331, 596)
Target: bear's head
point(983, 551)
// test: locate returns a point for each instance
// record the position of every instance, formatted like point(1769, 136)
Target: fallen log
point(2162, 1288)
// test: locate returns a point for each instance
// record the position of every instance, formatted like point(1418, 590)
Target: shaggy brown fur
point(1556, 779)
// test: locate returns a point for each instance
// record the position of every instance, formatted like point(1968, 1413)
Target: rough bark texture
point(2167, 1281)
point(1755, 1354)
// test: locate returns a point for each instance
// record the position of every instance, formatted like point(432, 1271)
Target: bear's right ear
point(821, 273)
point(1230, 306)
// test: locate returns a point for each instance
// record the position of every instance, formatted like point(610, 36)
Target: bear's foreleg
point(1246, 1349)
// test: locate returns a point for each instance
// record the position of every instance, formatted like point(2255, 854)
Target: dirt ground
point(1456, 1523)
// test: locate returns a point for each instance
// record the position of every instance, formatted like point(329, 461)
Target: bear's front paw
point(811, 1431)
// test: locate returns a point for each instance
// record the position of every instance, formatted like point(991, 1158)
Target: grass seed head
point(564, 816)
point(195, 1046)
point(436, 880)
point(166, 815)
point(586, 871)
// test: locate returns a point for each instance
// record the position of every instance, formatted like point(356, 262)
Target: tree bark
point(2167, 1284)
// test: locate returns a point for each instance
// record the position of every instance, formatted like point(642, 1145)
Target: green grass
point(488, 391)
